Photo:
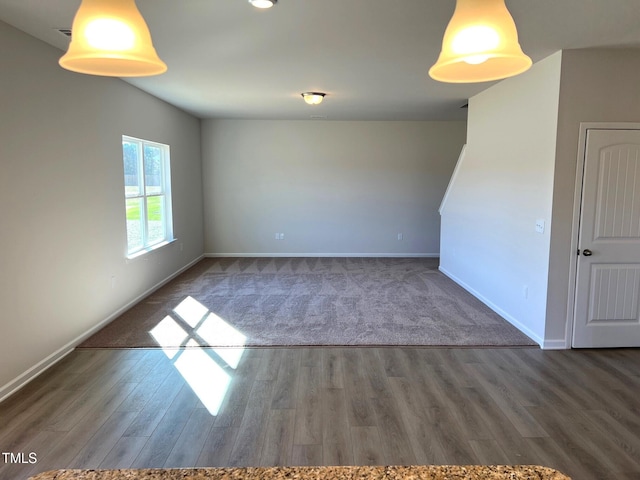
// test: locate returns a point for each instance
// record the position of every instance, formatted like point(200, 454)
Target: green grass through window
point(154, 204)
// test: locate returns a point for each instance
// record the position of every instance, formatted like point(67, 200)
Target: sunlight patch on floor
point(191, 311)
point(186, 341)
point(205, 377)
point(215, 331)
point(168, 334)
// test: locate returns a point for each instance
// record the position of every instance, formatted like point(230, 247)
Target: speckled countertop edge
point(429, 472)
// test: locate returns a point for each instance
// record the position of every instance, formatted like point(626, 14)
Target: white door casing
point(607, 292)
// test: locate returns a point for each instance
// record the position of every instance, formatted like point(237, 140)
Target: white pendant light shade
point(110, 38)
point(480, 44)
point(263, 3)
point(313, 98)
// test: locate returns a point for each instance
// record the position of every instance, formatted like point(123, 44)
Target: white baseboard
point(325, 255)
point(21, 380)
point(513, 321)
point(559, 344)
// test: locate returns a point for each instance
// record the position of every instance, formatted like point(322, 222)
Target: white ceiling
point(228, 59)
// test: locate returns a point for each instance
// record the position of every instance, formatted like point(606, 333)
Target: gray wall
point(330, 187)
point(63, 233)
point(597, 85)
point(521, 166)
point(503, 186)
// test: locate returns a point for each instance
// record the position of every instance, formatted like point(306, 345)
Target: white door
point(607, 312)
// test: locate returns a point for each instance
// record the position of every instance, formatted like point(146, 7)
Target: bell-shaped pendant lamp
point(263, 3)
point(110, 38)
point(480, 44)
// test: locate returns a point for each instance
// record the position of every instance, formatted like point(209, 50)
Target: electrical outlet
point(282, 236)
point(540, 225)
point(400, 237)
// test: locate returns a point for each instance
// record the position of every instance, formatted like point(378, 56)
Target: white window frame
point(167, 227)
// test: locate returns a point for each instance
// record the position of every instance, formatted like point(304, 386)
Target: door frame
point(577, 204)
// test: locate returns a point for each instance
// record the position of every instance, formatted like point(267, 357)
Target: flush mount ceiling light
point(263, 3)
point(480, 44)
point(313, 98)
point(110, 38)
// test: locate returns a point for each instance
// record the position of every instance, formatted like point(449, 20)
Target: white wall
point(598, 85)
point(330, 187)
point(63, 233)
point(505, 184)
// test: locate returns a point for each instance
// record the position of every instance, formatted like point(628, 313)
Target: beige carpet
point(309, 301)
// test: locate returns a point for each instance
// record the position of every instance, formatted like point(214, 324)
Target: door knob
point(586, 252)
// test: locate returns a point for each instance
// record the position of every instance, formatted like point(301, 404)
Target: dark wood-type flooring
point(575, 411)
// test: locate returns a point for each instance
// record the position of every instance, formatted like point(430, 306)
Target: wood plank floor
point(576, 411)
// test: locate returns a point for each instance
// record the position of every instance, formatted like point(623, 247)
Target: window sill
point(152, 248)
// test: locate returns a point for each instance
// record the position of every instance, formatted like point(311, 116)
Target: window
point(147, 188)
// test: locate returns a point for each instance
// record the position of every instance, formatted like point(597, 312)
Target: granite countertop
point(442, 472)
